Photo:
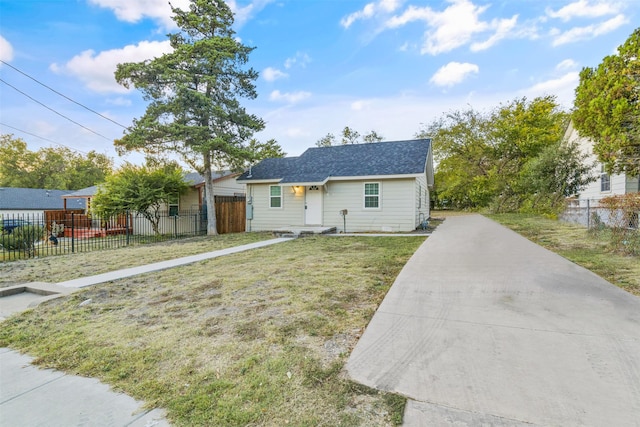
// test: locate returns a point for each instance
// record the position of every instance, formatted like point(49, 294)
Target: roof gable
point(318, 164)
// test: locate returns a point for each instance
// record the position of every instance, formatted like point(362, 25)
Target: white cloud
point(160, 10)
point(562, 87)
point(6, 50)
point(300, 59)
point(584, 9)
point(271, 74)
point(567, 64)
point(370, 10)
point(97, 70)
point(453, 73)
point(134, 11)
point(120, 101)
point(360, 105)
point(244, 14)
point(503, 28)
point(289, 97)
point(589, 32)
point(455, 26)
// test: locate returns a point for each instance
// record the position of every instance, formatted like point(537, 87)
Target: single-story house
point(224, 184)
point(381, 186)
point(32, 201)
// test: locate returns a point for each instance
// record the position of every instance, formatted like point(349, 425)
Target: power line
point(62, 95)
point(43, 138)
point(51, 109)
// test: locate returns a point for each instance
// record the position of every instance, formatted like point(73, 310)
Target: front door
point(313, 205)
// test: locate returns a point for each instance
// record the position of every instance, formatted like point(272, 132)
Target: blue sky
point(386, 65)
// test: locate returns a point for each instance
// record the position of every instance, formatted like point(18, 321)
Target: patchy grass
point(72, 266)
point(575, 243)
point(255, 338)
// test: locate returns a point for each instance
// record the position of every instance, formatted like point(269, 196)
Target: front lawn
point(576, 243)
point(255, 338)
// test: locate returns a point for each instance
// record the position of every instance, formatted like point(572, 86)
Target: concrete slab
point(36, 397)
point(15, 299)
point(483, 327)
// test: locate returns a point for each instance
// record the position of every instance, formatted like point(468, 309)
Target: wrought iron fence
point(60, 232)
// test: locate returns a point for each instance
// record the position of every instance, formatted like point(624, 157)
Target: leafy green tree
point(193, 92)
point(16, 163)
point(262, 150)
point(326, 141)
point(350, 136)
point(560, 170)
point(372, 136)
point(139, 189)
point(491, 160)
point(607, 107)
point(50, 168)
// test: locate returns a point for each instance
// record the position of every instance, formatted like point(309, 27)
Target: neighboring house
point(605, 184)
point(31, 201)
point(224, 184)
point(382, 186)
point(583, 208)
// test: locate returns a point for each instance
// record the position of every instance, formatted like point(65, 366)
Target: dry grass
point(256, 338)
point(72, 266)
point(575, 243)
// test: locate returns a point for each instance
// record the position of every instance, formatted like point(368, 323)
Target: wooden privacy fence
point(230, 214)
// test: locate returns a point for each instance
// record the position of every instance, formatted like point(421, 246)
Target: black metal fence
point(60, 232)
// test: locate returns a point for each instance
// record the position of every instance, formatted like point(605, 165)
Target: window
point(174, 205)
point(372, 195)
point(275, 196)
point(605, 180)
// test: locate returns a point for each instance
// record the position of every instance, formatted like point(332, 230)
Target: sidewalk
point(30, 396)
point(483, 327)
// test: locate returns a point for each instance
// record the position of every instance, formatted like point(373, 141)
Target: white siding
point(10, 213)
point(267, 218)
point(396, 213)
point(422, 200)
point(593, 192)
point(228, 186)
point(398, 206)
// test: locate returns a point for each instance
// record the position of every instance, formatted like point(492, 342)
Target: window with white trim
point(605, 180)
point(371, 195)
point(275, 196)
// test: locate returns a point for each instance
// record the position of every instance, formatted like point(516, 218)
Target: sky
point(386, 65)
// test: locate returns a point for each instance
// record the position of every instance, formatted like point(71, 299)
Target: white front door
point(313, 205)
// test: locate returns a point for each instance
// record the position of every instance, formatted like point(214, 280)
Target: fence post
point(126, 224)
point(73, 232)
point(588, 214)
point(175, 226)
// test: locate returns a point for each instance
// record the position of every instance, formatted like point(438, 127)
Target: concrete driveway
point(483, 327)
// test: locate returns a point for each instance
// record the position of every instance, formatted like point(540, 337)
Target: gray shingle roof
point(321, 163)
point(31, 199)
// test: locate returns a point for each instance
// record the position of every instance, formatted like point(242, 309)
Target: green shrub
point(22, 238)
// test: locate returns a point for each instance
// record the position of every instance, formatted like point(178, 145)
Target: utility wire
point(62, 95)
point(51, 109)
point(43, 138)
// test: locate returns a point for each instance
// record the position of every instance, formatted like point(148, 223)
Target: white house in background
point(582, 210)
point(605, 184)
point(381, 186)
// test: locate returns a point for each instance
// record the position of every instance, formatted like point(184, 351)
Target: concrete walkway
point(30, 396)
point(483, 327)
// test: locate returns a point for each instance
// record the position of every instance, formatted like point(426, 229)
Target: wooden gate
point(231, 214)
